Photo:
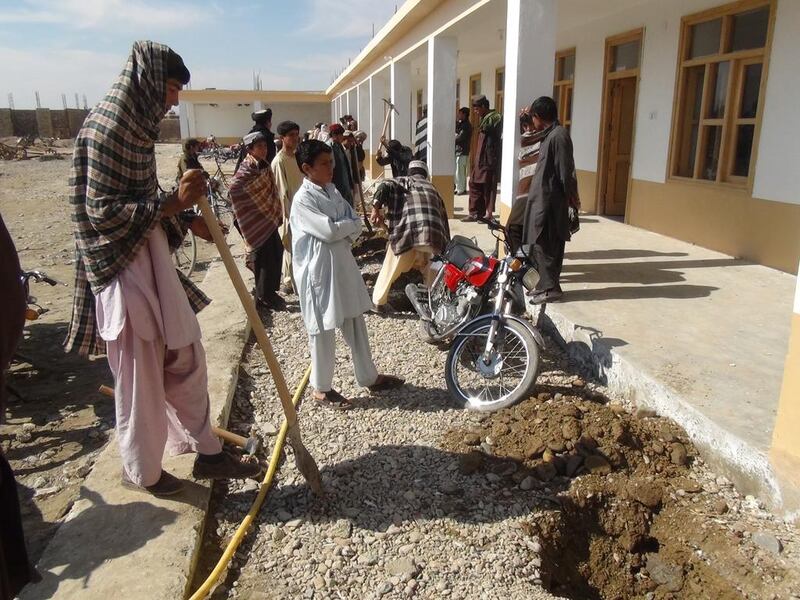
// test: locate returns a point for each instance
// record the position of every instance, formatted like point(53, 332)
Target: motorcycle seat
point(460, 250)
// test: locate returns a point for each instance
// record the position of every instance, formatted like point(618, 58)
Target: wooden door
point(621, 103)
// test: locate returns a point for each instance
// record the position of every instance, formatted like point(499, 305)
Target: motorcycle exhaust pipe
point(412, 292)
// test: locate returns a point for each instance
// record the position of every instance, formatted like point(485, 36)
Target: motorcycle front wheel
point(505, 379)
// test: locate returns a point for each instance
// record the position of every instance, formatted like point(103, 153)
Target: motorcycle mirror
point(530, 279)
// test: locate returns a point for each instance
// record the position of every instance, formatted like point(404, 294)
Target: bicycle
point(185, 257)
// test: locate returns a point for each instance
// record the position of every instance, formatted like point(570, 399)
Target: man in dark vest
point(553, 189)
point(485, 171)
point(262, 122)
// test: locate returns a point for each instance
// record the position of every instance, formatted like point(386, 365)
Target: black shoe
point(553, 295)
point(272, 302)
point(167, 485)
point(229, 467)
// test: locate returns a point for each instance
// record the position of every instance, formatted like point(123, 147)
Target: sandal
point(333, 399)
point(385, 382)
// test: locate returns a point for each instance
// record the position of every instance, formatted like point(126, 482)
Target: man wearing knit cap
point(342, 173)
point(418, 228)
point(130, 302)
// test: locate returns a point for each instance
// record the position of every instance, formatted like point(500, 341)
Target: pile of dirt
point(630, 517)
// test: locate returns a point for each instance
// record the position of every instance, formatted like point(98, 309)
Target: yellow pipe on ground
point(241, 531)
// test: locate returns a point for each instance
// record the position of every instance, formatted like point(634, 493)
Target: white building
point(226, 113)
point(683, 113)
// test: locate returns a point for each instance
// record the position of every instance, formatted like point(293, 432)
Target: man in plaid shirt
point(417, 222)
point(130, 301)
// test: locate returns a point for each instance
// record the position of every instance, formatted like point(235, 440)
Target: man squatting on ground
point(331, 290)
point(485, 171)
point(417, 224)
point(258, 212)
point(129, 299)
point(554, 188)
point(288, 179)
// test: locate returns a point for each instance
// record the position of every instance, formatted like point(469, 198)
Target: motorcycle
point(475, 300)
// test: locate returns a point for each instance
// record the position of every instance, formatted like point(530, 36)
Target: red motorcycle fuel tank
point(478, 270)
point(452, 276)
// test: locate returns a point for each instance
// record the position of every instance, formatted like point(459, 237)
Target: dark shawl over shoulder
point(552, 187)
point(113, 189)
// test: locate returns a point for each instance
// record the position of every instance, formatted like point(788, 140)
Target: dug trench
point(634, 513)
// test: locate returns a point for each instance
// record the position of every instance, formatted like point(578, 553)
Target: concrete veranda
point(693, 334)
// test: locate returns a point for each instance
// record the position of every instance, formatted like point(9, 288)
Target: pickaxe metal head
point(390, 105)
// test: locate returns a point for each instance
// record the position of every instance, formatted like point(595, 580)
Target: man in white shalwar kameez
point(331, 290)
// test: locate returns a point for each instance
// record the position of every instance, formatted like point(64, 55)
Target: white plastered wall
point(232, 120)
point(779, 143)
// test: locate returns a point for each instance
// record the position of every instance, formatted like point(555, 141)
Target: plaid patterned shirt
point(415, 214)
point(113, 189)
point(255, 200)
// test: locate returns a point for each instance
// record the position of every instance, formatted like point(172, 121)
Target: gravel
point(400, 518)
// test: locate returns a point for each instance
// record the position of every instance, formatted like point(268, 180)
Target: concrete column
point(785, 452)
point(400, 83)
point(186, 118)
point(352, 102)
point(377, 91)
point(442, 59)
point(530, 32)
point(362, 111)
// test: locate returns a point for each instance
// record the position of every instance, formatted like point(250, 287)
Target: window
point(499, 87)
point(721, 72)
point(474, 86)
point(419, 104)
point(564, 84)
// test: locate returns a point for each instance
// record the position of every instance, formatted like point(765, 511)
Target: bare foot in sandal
point(332, 399)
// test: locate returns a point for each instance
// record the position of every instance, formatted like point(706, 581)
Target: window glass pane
point(713, 141)
point(752, 84)
point(568, 67)
point(744, 147)
point(499, 83)
point(568, 104)
point(556, 90)
point(689, 120)
point(705, 38)
point(750, 29)
point(719, 76)
point(625, 56)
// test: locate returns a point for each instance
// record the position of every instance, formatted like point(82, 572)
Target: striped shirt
point(255, 200)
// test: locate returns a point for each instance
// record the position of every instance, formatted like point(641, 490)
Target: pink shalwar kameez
point(158, 362)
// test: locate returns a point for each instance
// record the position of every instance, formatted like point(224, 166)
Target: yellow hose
point(241, 531)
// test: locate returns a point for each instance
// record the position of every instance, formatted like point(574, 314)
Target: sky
point(69, 46)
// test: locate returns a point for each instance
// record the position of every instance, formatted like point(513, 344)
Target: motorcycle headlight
point(530, 279)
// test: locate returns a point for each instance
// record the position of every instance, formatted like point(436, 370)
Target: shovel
point(305, 462)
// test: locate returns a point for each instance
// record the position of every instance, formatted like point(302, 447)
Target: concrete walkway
point(693, 334)
point(117, 542)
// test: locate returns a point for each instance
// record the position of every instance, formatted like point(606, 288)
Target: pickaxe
point(249, 446)
point(389, 108)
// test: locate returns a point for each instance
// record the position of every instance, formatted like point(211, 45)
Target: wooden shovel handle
point(250, 308)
